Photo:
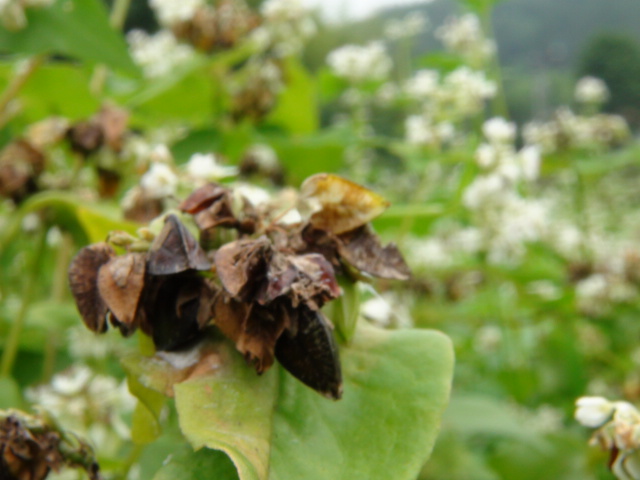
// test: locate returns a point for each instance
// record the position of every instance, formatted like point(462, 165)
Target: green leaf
point(55, 89)
point(78, 28)
point(305, 156)
point(396, 386)
point(189, 465)
point(9, 393)
point(343, 311)
point(86, 224)
point(145, 426)
point(297, 108)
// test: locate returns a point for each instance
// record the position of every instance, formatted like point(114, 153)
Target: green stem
point(16, 85)
point(12, 343)
point(63, 257)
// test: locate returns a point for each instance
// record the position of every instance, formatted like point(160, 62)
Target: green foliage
point(274, 427)
point(615, 59)
point(79, 29)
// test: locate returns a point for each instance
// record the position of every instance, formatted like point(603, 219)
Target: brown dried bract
point(175, 250)
point(343, 205)
point(120, 284)
point(362, 250)
point(307, 279)
point(202, 198)
point(83, 281)
point(242, 266)
point(254, 328)
point(311, 355)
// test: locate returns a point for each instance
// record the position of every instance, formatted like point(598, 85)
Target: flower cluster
point(506, 218)
point(159, 53)
point(264, 289)
point(591, 90)
point(359, 64)
point(411, 25)
point(464, 36)
point(444, 101)
point(618, 431)
point(287, 26)
point(93, 405)
point(570, 131)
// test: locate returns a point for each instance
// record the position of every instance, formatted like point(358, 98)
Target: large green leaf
point(78, 28)
point(396, 386)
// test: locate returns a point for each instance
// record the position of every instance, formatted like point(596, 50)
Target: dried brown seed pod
point(20, 165)
point(175, 250)
point(339, 205)
point(83, 281)
point(361, 249)
point(120, 284)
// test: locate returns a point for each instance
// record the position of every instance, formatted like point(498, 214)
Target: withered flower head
point(21, 164)
point(217, 28)
point(107, 127)
point(30, 449)
point(263, 289)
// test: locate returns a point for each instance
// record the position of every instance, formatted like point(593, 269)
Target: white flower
point(465, 91)
point(205, 167)
point(283, 10)
point(256, 196)
point(483, 189)
point(409, 26)
point(70, 384)
point(358, 64)
point(377, 310)
point(499, 131)
point(157, 54)
point(593, 411)
point(159, 181)
point(487, 156)
point(487, 339)
point(464, 35)
point(421, 130)
point(530, 159)
point(423, 84)
point(591, 90)
point(170, 12)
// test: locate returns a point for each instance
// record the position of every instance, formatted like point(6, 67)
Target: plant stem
point(17, 83)
point(11, 345)
point(63, 256)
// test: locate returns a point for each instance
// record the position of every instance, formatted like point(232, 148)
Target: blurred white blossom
point(159, 181)
point(464, 36)
point(157, 54)
point(409, 26)
point(591, 90)
point(170, 12)
point(206, 167)
point(358, 64)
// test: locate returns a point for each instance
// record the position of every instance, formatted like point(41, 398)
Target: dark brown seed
point(311, 355)
point(175, 250)
point(83, 281)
